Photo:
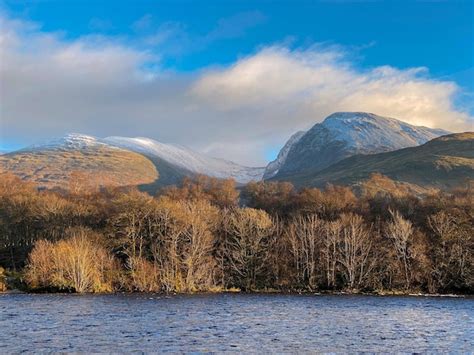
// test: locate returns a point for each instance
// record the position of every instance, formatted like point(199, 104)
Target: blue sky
point(189, 43)
point(438, 34)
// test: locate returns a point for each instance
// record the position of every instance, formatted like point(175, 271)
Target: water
point(234, 322)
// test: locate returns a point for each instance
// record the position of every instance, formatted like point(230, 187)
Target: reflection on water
point(234, 322)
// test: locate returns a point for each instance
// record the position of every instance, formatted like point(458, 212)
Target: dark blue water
point(234, 322)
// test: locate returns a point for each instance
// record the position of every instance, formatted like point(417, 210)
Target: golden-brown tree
point(247, 246)
point(77, 263)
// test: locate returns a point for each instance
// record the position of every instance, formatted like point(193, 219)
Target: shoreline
point(261, 292)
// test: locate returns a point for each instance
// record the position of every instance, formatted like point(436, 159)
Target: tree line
point(209, 235)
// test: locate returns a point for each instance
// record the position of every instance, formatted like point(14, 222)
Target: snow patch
point(367, 131)
point(188, 159)
point(176, 155)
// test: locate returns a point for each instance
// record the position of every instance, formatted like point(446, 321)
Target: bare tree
point(248, 231)
point(354, 250)
point(453, 256)
point(329, 250)
point(303, 233)
point(400, 231)
point(199, 239)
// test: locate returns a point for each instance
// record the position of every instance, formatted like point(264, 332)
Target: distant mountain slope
point(186, 160)
point(53, 164)
point(344, 134)
point(274, 166)
point(444, 162)
point(119, 161)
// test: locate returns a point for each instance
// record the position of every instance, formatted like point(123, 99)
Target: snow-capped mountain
point(344, 134)
point(188, 159)
point(274, 166)
point(185, 160)
point(339, 136)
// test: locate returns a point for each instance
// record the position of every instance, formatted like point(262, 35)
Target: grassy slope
point(53, 168)
point(441, 163)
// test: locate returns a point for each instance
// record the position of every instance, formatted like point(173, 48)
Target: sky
point(232, 79)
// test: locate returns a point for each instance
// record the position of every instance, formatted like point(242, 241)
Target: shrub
point(144, 275)
point(77, 263)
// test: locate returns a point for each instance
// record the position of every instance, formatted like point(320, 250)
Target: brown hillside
point(94, 167)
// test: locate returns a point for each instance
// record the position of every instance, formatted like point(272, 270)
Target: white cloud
point(311, 84)
point(96, 85)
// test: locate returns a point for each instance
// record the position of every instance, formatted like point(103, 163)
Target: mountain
point(186, 161)
point(119, 161)
point(142, 161)
point(344, 134)
point(443, 162)
point(51, 165)
point(274, 166)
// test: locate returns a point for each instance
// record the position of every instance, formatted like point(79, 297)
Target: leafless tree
point(329, 250)
point(304, 233)
point(400, 231)
point(354, 249)
point(248, 231)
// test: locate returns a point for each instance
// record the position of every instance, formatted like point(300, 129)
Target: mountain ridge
point(444, 162)
point(343, 134)
point(188, 159)
point(173, 161)
point(308, 157)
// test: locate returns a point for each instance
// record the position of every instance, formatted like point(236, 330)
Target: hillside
point(344, 134)
point(94, 165)
point(175, 161)
point(444, 162)
point(117, 161)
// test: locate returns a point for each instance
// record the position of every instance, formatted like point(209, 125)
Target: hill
point(95, 165)
point(443, 163)
point(117, 161)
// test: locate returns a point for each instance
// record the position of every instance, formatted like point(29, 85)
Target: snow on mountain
point(344, 134)
point(274, 166)
point(188, 159)
point(71, 141)
point(370, 132)
point(339, 136)
point(175, 155)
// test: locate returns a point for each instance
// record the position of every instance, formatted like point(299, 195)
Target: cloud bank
point(103, 86)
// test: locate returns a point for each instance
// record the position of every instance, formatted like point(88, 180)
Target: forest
point(209, 235)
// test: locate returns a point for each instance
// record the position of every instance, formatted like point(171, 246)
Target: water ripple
point(234, 322)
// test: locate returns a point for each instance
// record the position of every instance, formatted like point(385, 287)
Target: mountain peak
point(343, 134)
point(78, 138)
point(348, 115)
point(373, 133)
point(354, 118)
